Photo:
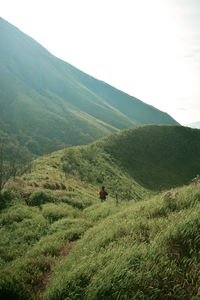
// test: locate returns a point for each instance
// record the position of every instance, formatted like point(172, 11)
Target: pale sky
point(149, 49)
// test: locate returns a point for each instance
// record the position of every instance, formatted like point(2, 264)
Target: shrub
point(15, 214)
point(40, 197)
point(7, 197)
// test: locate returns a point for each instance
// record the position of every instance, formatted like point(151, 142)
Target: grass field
point(58, 241)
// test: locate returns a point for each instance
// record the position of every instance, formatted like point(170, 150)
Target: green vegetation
point(157, 157)
point(10, 167)
point(46, 104)
point(147, 250)
point(148, 157)
point(142, 250)
point(58, 241)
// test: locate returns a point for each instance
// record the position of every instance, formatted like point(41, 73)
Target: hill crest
point(132, 162)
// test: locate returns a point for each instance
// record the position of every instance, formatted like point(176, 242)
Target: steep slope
point(46, 103)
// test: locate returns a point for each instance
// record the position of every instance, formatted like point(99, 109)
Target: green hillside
point(153, 157)
point(58, 241)
point(47, 104)
point(157, 157)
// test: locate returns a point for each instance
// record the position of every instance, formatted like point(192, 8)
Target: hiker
point(103, 194)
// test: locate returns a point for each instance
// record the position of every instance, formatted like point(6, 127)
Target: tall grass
point(63, 243)
point(137, 253)
point(134, 250)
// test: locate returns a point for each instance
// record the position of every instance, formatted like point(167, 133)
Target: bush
point(15, 214)
point(39, 198)
point(7, 197)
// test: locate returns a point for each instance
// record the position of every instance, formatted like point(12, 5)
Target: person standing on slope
point(103, 194)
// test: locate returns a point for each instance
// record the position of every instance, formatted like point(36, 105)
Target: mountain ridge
point(46, 102)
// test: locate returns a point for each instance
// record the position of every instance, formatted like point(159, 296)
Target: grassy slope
point(47, 102)
point(57, 241)
point(157, 157)
point(149, 250)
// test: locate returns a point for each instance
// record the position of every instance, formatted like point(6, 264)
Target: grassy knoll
point(58, 241)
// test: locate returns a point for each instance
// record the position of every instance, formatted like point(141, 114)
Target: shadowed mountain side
point(47, 103)
point(157, 157)
point(132, 107)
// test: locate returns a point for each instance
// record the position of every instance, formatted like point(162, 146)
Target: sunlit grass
point(58, 241)
point(135, 254)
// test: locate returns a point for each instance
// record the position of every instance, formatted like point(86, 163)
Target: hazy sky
point(150, 49)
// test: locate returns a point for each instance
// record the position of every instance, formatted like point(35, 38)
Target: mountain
point(58, 241)
point(194, 125)
point(46, 103)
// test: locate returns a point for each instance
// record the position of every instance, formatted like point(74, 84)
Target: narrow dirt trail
point(64, 251)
